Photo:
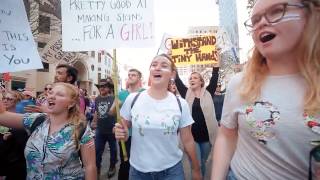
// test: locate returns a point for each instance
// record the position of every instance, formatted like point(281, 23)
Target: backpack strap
point(82, 130)
point(37, 122)
point(135, 99)
point(41, 118)
point(179, 103)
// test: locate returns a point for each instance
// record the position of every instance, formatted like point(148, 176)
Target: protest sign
point(165, 45)
point(194, 50)
point(17, 49)
point(103, 24)
point(53, 53)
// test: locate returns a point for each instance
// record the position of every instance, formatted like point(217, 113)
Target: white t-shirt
point(154, 143)
point(273, 138)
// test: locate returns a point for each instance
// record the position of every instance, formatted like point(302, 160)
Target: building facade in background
point(228, 20)
point(45, 21)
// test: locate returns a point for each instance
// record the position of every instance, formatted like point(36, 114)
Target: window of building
point(99, 68)
point(99, 57)
point(41, 44)
point(92, 67)
point(45, 67)
point(44, 24)
point(93, 54)
point(99, 77)
point(15, 85)
point(84, 52)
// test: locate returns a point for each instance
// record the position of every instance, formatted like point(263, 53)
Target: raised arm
point(213, 81)
point(180, 86)
point(9, 119)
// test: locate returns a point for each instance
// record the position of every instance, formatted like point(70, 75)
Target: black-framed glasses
point(103, 86)
point(272, 15)
point(47, 89)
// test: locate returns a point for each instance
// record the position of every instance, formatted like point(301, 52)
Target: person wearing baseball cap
point(104, 123)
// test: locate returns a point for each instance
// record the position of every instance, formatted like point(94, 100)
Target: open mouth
point(266, 37)
point(50, 103)
point(157, 76)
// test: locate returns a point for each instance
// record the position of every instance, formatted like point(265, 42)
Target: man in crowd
point(66, 73)
point(133, 85)
point(104, 123)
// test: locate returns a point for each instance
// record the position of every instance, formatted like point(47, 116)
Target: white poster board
point(104, 24)
point(17, 48)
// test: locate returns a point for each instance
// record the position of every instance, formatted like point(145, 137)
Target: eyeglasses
point(48, 89)
point(7, 99)
point(274, 14)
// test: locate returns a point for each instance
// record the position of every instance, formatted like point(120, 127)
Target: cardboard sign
point(17, 49)
point(89, 25)
point(195, 50)
point(53, 53)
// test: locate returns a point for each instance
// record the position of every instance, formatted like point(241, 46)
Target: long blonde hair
point(76, 118)
point(308, 61)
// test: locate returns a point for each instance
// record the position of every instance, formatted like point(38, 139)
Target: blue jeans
point(203, 150)
point(173, 173)
point(100, 142)
point(231, 175)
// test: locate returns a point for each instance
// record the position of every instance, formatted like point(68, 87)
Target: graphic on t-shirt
point(169, 127)
point(312, 122)
point(261, 117)
point(102, 109)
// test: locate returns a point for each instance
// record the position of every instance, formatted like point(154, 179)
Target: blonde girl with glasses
point(271, 111)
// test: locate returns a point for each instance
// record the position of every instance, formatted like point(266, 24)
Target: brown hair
point(173, 66)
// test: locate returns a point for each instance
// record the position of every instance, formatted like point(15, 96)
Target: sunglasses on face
point(47, 89)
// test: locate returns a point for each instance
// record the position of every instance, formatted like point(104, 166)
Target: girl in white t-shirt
point(156, 118)
point(270, 117)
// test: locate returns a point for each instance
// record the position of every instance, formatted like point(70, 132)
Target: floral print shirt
point(53, 156)
point(275, 135)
